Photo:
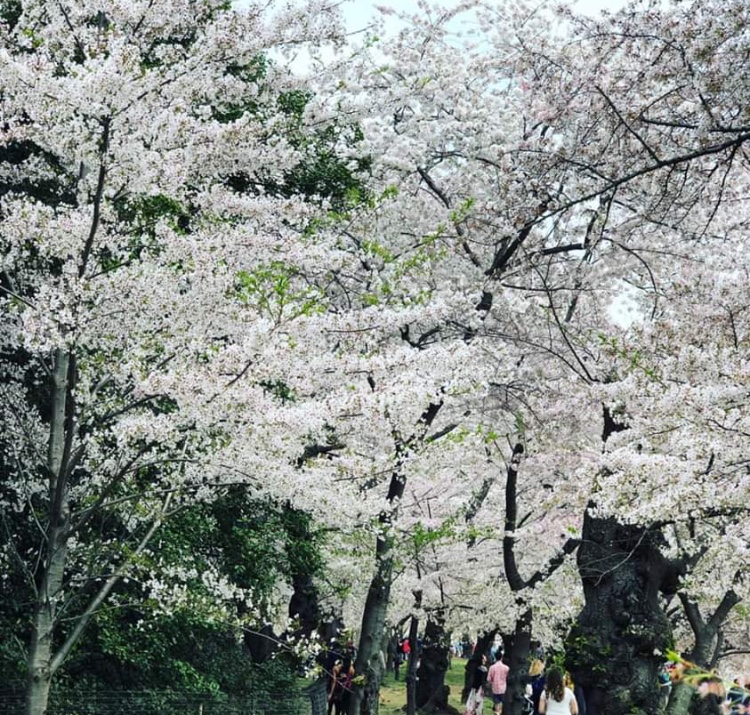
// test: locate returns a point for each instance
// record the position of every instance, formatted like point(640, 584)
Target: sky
point(358, 12)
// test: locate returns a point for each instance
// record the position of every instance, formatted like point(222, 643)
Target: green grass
point(393, 692)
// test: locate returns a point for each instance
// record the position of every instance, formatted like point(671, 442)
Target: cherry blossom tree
point(577, 171)
point(148, 306)
point(502, 284)
point(648, 120)
point(185, 310)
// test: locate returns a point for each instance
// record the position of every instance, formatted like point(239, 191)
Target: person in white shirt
point(556, 698)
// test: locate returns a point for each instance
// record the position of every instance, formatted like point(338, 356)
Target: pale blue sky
point(358, 15)
point(359, 12)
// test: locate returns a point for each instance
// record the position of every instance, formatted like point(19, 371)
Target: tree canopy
point(413, 323)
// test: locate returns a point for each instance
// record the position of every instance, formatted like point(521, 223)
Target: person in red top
point(406, 648)
point(497, 677)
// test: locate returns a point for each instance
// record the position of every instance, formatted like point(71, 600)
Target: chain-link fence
point(118, 702)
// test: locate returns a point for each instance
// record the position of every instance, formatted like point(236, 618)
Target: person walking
point(497, 677)
point(536, 684)
point(475, 700)
point(556, 699)
point(394, 655)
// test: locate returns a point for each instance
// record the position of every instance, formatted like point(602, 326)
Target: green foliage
point(276, 291)
point(139, 216)
point(633, 358)
point(460, 214)
point(293, 103)
point(253, 74)
point(423, 536)
point(584, 651)
point(257, 688)
point(10, 11)
point(179, 651)
point(303, 544)
point(279, 389)
point(322, 175)
point(255, 544)
point(136, 644)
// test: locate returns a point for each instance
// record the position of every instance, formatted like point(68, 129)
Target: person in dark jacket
point(475, 700)
point(536, 684)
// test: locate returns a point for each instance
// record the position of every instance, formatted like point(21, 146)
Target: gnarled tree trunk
point(615, 650)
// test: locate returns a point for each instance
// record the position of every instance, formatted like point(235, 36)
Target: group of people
point(337, 662)
point(340, 686)
point(547, 693)
point(738, 698)
point(552, 692)
point(716, 695)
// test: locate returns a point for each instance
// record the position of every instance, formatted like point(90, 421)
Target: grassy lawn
point(393, 692)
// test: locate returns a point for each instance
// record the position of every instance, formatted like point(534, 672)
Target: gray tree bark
point(517, 645)
point(40, 664)
point(364, 700)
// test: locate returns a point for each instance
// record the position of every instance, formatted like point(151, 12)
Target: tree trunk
point(482, 648)
point(708, 631)
point(364, 700)
point(304, 605)
point(615, 648)
point(705, 652)
point(411, 664)
point(40, 665)
point(517, 660)
point(261, 645)
point(680, 699)
point(518, 644)
point(432, 692)
point(40, 657)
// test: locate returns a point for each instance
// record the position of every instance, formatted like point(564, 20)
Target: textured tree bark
point(432, 692)
point(518, 647)
point(680, 699)
point(615, 649)
point(411, 664)
point(39, 663)
point(364, 700)
point(518, 644)
point(708, 631)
